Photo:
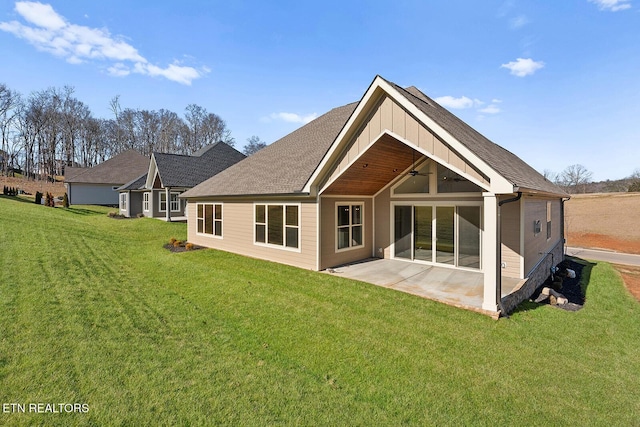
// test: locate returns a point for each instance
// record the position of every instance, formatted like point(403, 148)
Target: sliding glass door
point(453, 231)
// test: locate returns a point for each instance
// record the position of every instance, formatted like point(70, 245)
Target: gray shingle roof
point(119, 169)
point(136, 184)
point(285, 166)
point(282, 167)
point(188, 171)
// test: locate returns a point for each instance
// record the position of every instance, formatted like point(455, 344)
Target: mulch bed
point(571, 288)
point(181, 248)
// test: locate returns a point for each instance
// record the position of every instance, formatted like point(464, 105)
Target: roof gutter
point(499, 257)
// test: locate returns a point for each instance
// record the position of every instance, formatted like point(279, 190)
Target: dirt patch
point(631, 277)
point(600, 241)
point(29, 186)
point(605, 221)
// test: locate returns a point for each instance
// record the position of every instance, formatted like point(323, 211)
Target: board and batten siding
point(388, 115)
point(537, 244)
point(510, 233)
point(329, 256)
point(238, 233)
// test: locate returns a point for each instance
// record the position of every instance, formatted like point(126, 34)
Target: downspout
point(499, 244)
point(562, 230)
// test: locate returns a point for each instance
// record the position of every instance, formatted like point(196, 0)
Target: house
point(99, 185)
point(169, 175)
point(393, 176)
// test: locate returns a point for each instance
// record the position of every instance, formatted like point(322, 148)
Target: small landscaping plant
point(38, 198)
point(189, 246)
point(65, 200)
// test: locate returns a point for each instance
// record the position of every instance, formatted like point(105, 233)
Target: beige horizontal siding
point(329, 256)
point(238, 234)
point(510, 215)
point(535, 244)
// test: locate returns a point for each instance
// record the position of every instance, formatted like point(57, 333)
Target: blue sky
point(555, 82)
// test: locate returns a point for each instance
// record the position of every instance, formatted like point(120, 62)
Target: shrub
point(172, 240)
point(38, 198)
point(177, 244)
point(188, 246)
point(4, 190)
point(65, 200)
point(50, 200)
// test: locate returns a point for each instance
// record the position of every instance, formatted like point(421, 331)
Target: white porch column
point(490, 252)
point(167, 191)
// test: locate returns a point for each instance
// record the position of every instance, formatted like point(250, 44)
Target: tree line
point(576, 179)
point(51, 129)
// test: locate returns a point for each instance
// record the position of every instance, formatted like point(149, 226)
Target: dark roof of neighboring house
point(285, 166)
point(119, 169)
point(188, 171)
point(136, 184)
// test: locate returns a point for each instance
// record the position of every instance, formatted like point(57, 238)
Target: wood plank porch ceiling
point(387, 159)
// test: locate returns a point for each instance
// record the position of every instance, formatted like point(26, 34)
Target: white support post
point(490, 252)
point(167, 191)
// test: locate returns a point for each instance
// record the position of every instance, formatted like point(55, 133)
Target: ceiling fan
point(414, 171)
point(454, 178)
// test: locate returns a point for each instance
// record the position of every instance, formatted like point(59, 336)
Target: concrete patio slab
point(460, 288)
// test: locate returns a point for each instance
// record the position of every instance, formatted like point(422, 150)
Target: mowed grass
point(94, 311)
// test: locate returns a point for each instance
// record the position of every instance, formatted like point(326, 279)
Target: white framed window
point(145, 201)
point(123, 201)
point(349, 226)
point(277, 225)
point(174, 202)
point(209, 219)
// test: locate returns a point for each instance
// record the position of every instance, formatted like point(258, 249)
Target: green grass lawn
point(94, 311)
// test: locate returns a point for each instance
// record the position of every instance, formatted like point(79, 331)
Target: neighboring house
point(168, 176)
point(99, 185)
point(394, 175)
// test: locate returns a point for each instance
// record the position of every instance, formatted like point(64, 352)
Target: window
point(123, 201)
point(209, 219)
point(451, 182)
point(174, 202)
point(145, 202)
point(548, 220)
point(349, 220)
point(277, 225)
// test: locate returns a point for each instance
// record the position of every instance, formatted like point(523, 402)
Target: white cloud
point(490, 109)
point(465, 102)
point(518, 22)
point(612, 5)
point(290, 117)
point(52, 33)
point(523, 67)
point(456, 103)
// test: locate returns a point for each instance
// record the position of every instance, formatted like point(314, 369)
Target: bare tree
point(204, 128)
point(253, 145)
point(9, 103)
point(575, 178)
point(634, 184)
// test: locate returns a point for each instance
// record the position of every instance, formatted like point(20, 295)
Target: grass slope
point(94, 311)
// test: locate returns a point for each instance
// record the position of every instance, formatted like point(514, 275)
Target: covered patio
point(459, 288)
